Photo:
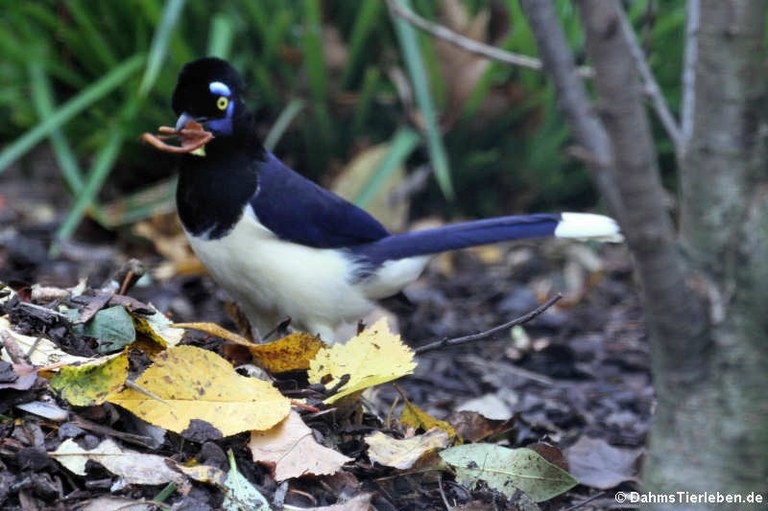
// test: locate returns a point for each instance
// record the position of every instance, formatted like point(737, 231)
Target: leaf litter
point(581, 374)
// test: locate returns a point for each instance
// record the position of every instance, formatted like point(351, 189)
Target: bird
point(284, 247)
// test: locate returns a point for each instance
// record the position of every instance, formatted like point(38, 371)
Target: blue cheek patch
point(219, 89)
point(223, 126)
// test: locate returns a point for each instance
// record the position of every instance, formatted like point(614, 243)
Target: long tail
point(491, 230)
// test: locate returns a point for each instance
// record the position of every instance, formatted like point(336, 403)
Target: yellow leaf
point(419, 419)
point(93, 383)
point(404, 454)
point(158, 328)
point(290, 450)
point(217, 331)
point(186, 383)
point(373, 357)
point(291, 353)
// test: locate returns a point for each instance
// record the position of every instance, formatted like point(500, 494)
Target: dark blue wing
point(298, 210)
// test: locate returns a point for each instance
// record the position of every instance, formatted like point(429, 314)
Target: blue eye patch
point(219, 89)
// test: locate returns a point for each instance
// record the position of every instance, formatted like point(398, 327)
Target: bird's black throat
point(214, 190)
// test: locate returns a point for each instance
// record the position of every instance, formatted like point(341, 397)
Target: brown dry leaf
point(374, 356)
point(404, 454)
point(187, 383)
point(216, 331)
point(290, 450)
point(291, 353)
point(462, 69)
point(17, 376)
point(597, 464)
point(417, 418)
point(168, 238)
point(474, 426)
point(132, 466)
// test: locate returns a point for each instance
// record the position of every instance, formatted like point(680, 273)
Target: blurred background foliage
point(329, 79)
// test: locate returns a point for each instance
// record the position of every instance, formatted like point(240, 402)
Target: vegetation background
point(330, 79)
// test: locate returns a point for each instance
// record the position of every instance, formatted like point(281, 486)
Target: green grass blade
point(220, 37)
point(102, 165)
point(70, 109)
point(42, 97)
point(365, 100)
point(160, 42)
point(403, 144)
point(150, 201)
point(414, 62)
point(285, 119)
point(367, 18)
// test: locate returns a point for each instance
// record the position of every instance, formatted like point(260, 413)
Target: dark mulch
point(579, 370)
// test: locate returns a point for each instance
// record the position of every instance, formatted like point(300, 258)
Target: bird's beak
point(183, 120)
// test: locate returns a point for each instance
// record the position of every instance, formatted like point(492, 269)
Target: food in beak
point(192, 138)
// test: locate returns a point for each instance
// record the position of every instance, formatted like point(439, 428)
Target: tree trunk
point(713, 436)
point(703, 292)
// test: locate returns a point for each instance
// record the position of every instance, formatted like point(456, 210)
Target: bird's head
point(209, 92)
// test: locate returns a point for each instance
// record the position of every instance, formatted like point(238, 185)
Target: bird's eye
point(222, 103)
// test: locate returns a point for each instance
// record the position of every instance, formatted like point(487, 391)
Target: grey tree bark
point(704, 289)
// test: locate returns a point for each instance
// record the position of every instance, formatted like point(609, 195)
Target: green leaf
point(241, 494)
point(112, 328)
point(508, 470)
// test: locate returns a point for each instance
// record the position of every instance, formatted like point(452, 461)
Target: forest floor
point(575, 379)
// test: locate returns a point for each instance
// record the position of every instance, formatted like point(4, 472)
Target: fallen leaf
point(374, 356)
point(357, 503)
point(291, 353)
point(597, 464)
point(216, 331)
point(112, 328)
point(508, 470)
point(417, 418)
point(404, 453)
point(92, 383)
point(490, 406)
point(132, 466)
point(111, 503)
point(241, 495)
point(158, 328)
point(474, 427)
point(203, 474)
point(38, 350)
point(17, 376)
point(189, 383)
point(290, 450)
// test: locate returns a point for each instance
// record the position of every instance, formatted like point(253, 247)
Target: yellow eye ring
point(222, 103)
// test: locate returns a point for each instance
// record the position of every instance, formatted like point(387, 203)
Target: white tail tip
point(588, 226)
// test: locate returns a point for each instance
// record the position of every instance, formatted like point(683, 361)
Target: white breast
point(273, 279)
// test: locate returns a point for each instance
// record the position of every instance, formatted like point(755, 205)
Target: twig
point(456, 341)
point(585, 501)
point(651, 86)
point(574, 100)
point(470, 45)
point(138, 388)
point(693, 8)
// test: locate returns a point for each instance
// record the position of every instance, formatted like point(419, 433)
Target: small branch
point(693, 8)
point(650, 84)
point(456, 341)
point(470, 45)
point(574, 100)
